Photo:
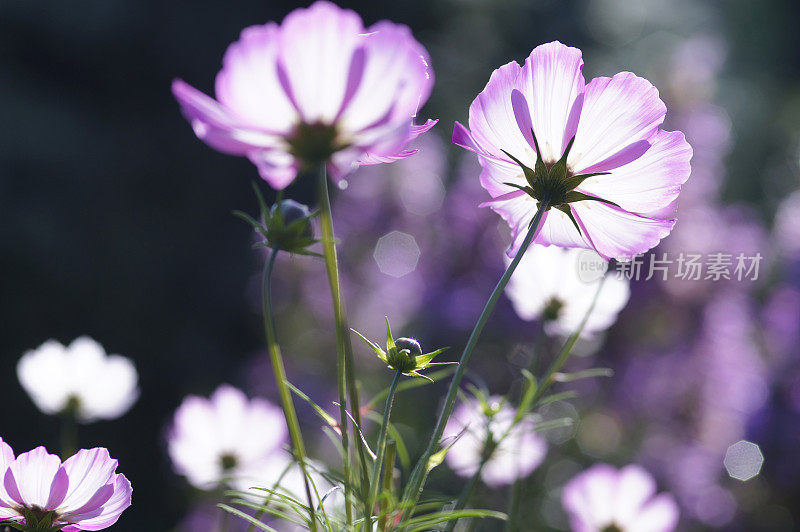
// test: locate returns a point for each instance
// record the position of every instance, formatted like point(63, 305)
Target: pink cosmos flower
point(594, 150)
point(83, 493)
point(318, 88)
point(603, 498)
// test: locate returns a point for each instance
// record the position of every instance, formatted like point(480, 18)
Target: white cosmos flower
point(80, 378)
point(520, 449)
point(228, 438)
point(548, 285)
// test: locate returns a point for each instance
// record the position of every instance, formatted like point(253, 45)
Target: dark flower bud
point(409, 343)
point(404, 354)
point(290, 212)
point(285, 226)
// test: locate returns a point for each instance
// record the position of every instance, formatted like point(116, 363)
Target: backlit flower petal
point(552, 82)
point(396, 80)
point(89, 470)
point(634, 488)
point(316, 48)
point(492, 122)
point(661, 514)
point(6, 458)
point(248, 83)
point(588, 498)
point(619, 115)
point(30, 479)
point(652, 181)
point(41, 373)
point(618, 234)
point(217, 126)
point(110, 512)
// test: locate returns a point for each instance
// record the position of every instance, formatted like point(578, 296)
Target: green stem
point(549, 377)
point(376, 468)
point(280, 379)
point(513, 505)
point(417, 479)
point(344, 349)
point(388, 482)
point(69, 434)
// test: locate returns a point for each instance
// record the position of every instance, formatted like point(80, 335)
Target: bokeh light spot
point(396, 254)
point(599, 434)
point(743, 460)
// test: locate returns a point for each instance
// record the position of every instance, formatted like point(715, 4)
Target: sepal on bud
point(286, 225)
point(405, 354)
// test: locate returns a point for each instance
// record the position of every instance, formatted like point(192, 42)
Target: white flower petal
point(316, 49)
point(619, 115)
point(552, 82)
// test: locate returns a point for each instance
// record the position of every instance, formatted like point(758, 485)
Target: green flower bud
point(285, 226)
point(291, 211)
point(404, 354)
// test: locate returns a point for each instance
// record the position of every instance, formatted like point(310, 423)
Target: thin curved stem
point(549, 377)
point(417, 479)
point(381, 448)
point(280, 378)
point(346, 382)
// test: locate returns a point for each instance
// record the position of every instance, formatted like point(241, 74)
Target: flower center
point(612, 528)
point(552, 309)
point(40, 520)
point(314, 143)
point(554, 183)
point(228, 461)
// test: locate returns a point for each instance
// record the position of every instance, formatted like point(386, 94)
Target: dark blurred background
point(115, 221)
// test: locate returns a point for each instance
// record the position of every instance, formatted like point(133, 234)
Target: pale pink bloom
point(615, 123)
point(604, 498)
point(228, 438)
point(80, 378)
point(520, 449)
point(558, 286)
point(83, 493)
point(318, 87)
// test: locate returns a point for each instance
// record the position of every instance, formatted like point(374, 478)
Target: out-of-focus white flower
point(515, 456)
point(228, 438)
point(80, 379)
point(603, 498)
point(556, 285)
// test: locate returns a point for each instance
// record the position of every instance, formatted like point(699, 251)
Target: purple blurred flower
point(519, 449)
point(787, 226)
point(317, 88)
point(604, 498)
point(83, 493)
point(228, 438)
point(548, 285)
point(615, 123)
point(79, 379)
